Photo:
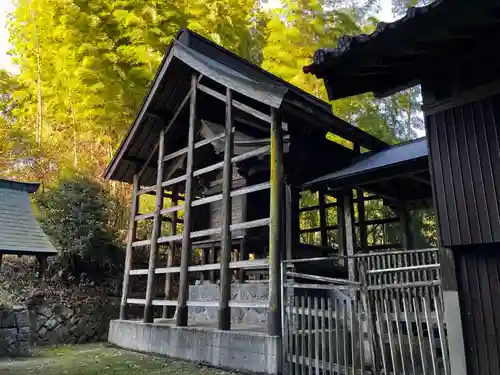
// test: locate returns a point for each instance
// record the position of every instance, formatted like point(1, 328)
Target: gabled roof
point(398, 55)
point(399, 158)
point(20, 233)
point(188, 53)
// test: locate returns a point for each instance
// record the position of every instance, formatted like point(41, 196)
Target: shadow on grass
point(99, 359)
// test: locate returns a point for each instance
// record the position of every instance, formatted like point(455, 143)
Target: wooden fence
point(389, 320)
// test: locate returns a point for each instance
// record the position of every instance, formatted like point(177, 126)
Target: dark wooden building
point(449, 47)
point(229, 144)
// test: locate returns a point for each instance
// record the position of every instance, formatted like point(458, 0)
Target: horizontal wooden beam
point(415, 284)
point(323, 279)
point(212, 231)
point(150, 216)
point(199, 144)
point(317, 207)
point(234, 193)
point(386, 247)
point(264, 150)
point(174, 181)
point(243, 264)
point(160, 302)
point(236, 104)
point(318, 229)
point(423, 267)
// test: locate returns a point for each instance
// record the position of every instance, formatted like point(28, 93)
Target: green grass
point(98, 359)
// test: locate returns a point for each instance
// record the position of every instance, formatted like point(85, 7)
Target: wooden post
point(211, 260)
point(341, 227)
point(130, 239)
point(155, 233)
point(322, 218)
point(224, 321)
point(1, 258)
point(363, 233)
point(203, 261)
point(276, 225)
point(182, 309)
point(171, 252)
point(242, 256)
point(406, 235)
point(292, 221)
point(349, 232)
point(42, 266)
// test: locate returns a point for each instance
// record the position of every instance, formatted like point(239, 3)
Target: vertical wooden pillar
point(292, 221)
point(42, 266)
point(182, 309)
point(211, 260)
point(155, 233)
point(171, 252)
point(242, 256)
point(276, 225)
point(341, 227)
point(203, 261)
point(363, 233)
point(406, 234)
point(322, 217)
point(1, 258)
point(224, 317)
point(349, 232)
point(130, 239)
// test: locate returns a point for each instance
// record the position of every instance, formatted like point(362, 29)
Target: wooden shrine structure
point(226, 149)
point(20, 233)
point(448, 48)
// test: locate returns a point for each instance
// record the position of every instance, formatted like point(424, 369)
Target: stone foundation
point(239, 292)
point(240, 349)
point(15, 340)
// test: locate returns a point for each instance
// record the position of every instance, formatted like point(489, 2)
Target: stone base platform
point(244, 348)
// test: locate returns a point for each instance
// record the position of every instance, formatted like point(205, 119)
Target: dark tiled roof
point(401, 54)
point(347, 43)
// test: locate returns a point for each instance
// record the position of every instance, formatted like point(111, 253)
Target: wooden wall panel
point(478, 270)
point(465, 162)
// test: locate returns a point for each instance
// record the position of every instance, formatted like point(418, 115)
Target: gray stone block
point(25, 349)
point(7, 318)
point(22, 318)
point(24, 334)
point(243, 351)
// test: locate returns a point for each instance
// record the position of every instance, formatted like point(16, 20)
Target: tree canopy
point(85, 65)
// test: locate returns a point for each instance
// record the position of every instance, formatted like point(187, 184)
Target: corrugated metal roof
point(394, 156)
point(20, 233)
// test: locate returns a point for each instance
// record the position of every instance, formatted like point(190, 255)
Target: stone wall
point(14, 332)
point(73, 320)
point(258, 292)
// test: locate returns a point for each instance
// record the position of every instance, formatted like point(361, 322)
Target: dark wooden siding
point(465, 162)
point(478, 270)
